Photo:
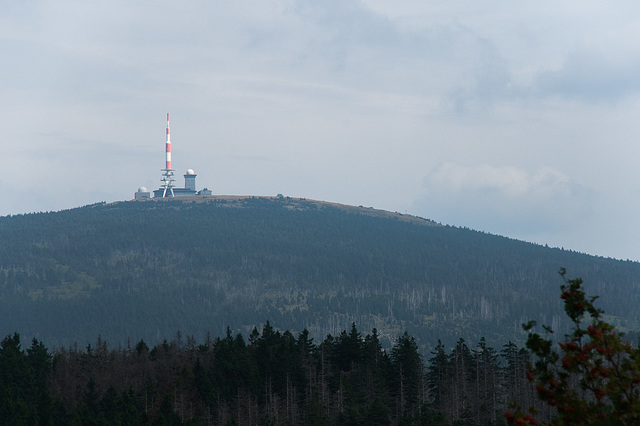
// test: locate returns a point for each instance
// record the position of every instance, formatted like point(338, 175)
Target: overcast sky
point(515, 118)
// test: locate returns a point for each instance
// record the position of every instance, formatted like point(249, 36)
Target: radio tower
point(167, 175)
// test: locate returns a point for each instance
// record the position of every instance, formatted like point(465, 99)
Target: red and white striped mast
point(167, 177)
point(168, 150)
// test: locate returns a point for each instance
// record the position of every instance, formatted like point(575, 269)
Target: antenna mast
point(167, 175)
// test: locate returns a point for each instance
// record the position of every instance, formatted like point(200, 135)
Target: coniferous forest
point(445, 307)
point(144, 270)
point(271, 378)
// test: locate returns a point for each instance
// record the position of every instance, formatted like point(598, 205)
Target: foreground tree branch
point(593, 375)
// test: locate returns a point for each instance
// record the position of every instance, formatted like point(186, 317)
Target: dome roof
point(191, 172)
point(142, 189)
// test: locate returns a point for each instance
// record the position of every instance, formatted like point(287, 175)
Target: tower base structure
point(169, 190)
point(166, 189)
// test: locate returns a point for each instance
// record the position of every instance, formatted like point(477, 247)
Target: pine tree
point(463, 373)
point(407, 367)
point(487, 383)
point(439, 378)
point(18, 384)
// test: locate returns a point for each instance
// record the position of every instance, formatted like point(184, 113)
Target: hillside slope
point(148, 269)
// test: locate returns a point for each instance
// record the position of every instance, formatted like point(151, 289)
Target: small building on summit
point(189, 187)
point(142, 194)
point(190, 180)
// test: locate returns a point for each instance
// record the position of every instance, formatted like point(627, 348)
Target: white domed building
point(190, 180)
point(142, 194)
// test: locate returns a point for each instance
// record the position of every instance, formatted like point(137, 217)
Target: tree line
point(272, 377)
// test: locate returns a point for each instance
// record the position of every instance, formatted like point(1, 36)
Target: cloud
point(592, 75)
point(505, 200)
point(511, 182)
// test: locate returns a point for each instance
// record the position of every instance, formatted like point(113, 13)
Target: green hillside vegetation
point(145, 270)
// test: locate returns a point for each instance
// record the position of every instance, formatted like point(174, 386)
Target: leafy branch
point(593, 375)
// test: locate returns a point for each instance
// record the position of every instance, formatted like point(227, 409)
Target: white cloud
point(505, 200)
point(511, 182)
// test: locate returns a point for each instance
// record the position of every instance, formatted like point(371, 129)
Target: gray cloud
point(505, 199)
point(591, 75)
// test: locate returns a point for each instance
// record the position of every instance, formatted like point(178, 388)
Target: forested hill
point(147, 269)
